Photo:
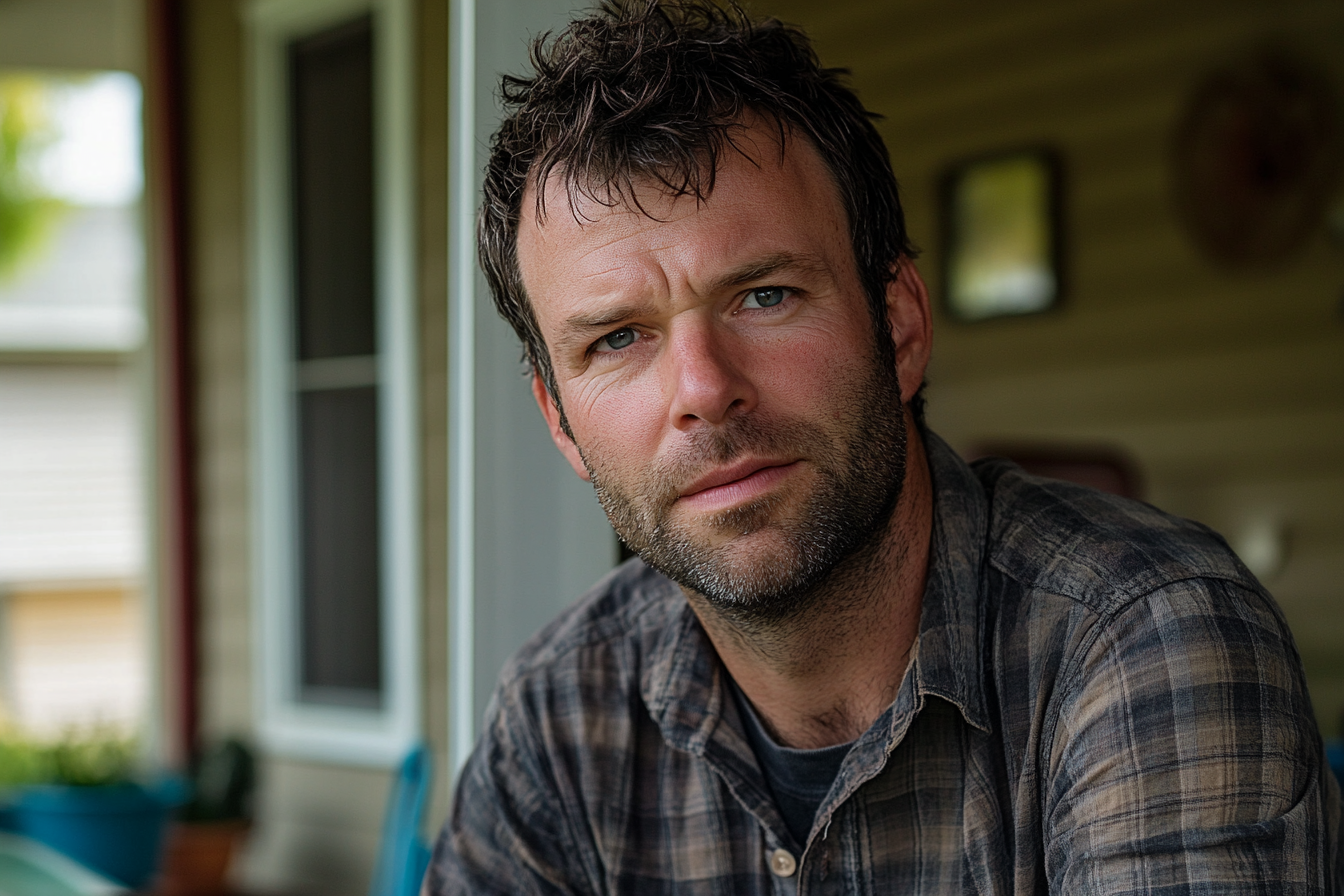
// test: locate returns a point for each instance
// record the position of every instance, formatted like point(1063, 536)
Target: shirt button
point(782, 863)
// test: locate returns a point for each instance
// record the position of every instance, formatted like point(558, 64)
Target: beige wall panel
point(1118, 334)
point(1175, 385)
point(1227, 387)
point(218, 281)
point(322, 825)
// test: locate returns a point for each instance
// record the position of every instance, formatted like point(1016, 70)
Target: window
point(336, 594)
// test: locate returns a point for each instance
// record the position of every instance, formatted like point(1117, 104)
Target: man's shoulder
point(1101, 550)
point(612, 626)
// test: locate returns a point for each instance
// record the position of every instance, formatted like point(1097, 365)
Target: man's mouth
point(737, 483)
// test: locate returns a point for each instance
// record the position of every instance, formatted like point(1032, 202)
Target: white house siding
point(70, 499)
point(75, 656)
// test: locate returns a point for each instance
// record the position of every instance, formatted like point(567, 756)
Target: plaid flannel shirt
point(1102, 700)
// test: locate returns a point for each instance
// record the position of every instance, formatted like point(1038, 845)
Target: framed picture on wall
point(1001, 235)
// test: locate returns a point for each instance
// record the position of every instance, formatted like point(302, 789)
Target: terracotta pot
point(197, 857)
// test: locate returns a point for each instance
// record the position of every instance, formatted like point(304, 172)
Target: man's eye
point(765, 297)
point(614, 342)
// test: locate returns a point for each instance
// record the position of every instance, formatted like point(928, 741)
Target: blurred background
point(268, 466)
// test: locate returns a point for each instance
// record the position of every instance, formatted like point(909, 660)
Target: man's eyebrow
point(763, 268)
point(578, 327)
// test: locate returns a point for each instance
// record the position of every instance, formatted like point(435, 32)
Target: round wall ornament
point(1257, 156)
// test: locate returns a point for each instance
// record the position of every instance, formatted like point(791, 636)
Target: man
point(846, 662)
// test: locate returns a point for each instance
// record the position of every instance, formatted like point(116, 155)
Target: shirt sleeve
point(1186, 758)
point(506, 834)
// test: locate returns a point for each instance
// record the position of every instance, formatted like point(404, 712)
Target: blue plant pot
point(116, 830)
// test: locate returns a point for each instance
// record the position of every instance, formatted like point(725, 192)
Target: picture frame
point(1001, 235)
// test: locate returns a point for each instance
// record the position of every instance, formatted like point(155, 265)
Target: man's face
point(718, 369)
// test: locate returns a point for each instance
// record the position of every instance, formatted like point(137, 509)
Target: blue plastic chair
point(404, 856)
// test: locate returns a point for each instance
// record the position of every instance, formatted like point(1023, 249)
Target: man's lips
point(737, 482)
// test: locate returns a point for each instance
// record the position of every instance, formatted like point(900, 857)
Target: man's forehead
point(656, 192)
point(565, 203)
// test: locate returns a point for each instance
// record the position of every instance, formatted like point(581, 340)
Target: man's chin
point(759, 572)
point(739, 544)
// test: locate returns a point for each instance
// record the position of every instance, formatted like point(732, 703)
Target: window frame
point(285, 724)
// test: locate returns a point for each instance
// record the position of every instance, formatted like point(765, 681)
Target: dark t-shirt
point(799, 779)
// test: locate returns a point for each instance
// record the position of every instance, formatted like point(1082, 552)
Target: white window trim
point(463, 195)
point(377, 737)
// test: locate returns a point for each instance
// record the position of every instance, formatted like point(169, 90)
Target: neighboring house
point(74, 649)
point(73, 536)
point(394, 389)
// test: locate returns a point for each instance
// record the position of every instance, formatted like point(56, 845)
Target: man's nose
point(704, 375)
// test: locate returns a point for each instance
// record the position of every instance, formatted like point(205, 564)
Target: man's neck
point(824, 677)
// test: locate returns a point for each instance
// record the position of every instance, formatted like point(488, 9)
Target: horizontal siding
point(220, 348)
point(71, 504)
point(73, 658)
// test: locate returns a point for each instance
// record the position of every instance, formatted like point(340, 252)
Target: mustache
point(715, 446)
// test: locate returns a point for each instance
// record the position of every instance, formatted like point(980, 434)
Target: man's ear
point(558, 434)
point(911, 325)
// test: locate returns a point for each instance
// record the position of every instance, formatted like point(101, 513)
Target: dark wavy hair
point(651, 91)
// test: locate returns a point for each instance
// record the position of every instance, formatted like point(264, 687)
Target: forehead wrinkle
point(612, 240)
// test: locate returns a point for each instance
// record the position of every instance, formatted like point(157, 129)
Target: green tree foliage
point(27, 213)
point(21, 762)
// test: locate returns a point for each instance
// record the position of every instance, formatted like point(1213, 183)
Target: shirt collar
point(950, 659)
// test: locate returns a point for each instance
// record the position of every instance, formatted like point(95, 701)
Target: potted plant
point(210, 828)
point(80, 796)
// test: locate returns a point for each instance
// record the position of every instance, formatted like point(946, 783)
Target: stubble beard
point(859, 473)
